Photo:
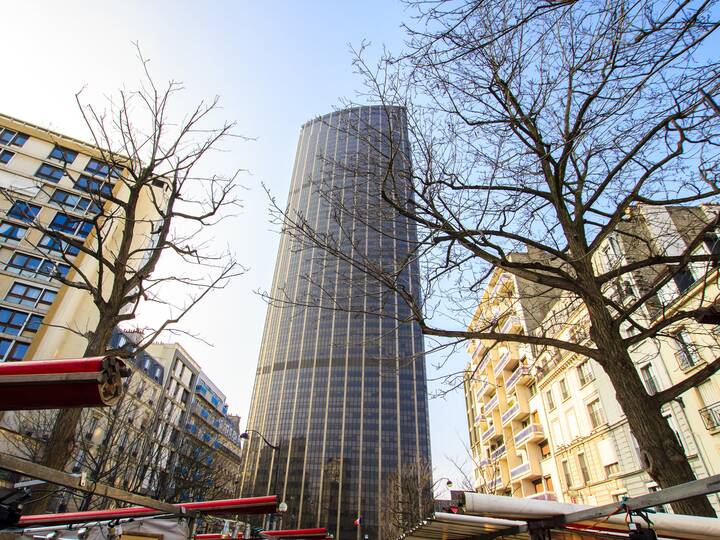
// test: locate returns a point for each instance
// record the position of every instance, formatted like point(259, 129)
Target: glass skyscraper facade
point(340, 384)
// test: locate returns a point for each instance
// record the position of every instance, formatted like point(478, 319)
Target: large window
point(92, 185)
point(8, 136)
point(6, 156)
point(585, 373)
point(595, 413)
point(584, 471)
point(58, 245)
point(49, 172)
point(28, 295)
point(70, 225)
point(567, 474)
point(75, 203)
point(15, 322)
point(10, 232)
point(564, 393)
point(646, 372)
point(24, 211)
point(35, 267)
point(63, 154)
point(550, 400)
point(685, 352)
point(12, 350)
point(100, 168)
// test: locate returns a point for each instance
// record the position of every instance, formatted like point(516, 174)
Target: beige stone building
point(587, 453)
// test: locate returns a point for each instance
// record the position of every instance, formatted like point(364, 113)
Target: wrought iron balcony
point(711, 416)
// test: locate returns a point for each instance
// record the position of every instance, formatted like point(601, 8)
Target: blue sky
point(275, 65)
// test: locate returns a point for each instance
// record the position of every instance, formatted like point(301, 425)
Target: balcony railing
point(543, 496)
point(510, 413)
point(711, 416)
point(520, 470)
point(495, 483)
point(511, 323)
point(502, 361)
point(492, 403)
point(498, 452)
point(489, 432)
point(529, 432)
point(521, 371)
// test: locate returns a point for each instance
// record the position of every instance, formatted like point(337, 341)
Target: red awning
point(252, 505)
point(51, 384)
point(319, 532)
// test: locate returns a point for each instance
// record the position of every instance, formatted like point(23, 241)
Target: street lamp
point(282, 507)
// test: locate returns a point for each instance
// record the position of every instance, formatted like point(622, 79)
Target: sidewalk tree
point(543, 126)
point(156, 200)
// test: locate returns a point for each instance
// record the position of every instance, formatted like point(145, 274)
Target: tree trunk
point(60, 444)
point(662, 455)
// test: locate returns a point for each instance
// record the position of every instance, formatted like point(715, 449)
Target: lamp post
point(282, 507)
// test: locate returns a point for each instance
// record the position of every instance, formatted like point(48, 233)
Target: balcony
point(488, 433)
point(490, 405)
point(711, 416)
point(511, 325)
point(521, 374)
point(525, 470)
point(502, 361)
point(516, 410)
point(498, 452)
point(531, 433)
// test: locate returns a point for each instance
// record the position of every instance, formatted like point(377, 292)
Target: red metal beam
point(318, 532)
point(50, 384)
point(252, 505)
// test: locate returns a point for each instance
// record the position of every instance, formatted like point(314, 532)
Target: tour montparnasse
point(340, 386)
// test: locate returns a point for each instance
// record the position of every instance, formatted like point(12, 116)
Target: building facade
point(589, 453)
point(340, 386)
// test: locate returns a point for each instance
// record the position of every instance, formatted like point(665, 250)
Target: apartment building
point(587, 452)
point(509, 442)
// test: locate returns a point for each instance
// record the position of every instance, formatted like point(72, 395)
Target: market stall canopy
point(50, 384)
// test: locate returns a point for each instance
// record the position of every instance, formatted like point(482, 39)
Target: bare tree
point(540, 135)
point(151, 198)
point(407, 498)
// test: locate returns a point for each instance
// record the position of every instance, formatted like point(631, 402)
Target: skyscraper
point(340, 385)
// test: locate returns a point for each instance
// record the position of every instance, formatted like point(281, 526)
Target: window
point(100, 168)
point(585, 373)
point(70, 225)
point(22, 294)
point(646, 373)
point(35, 267)
point(544, 449)
point(58, 245)
point(49, 172)
point(532, 389)
point(550, 400)
point(34, 322)
point(8, 136)
point(595, 412)
point(23, 211)
point(91, 185)
point(9, 232)
point(584, 472)
point(12, 351)
point(6, 156)
point(11, 321)
point(63, 154)
point(685, 353)
point(611, 469)
point(567, 474)
point(564, 390)
point(70, 201)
